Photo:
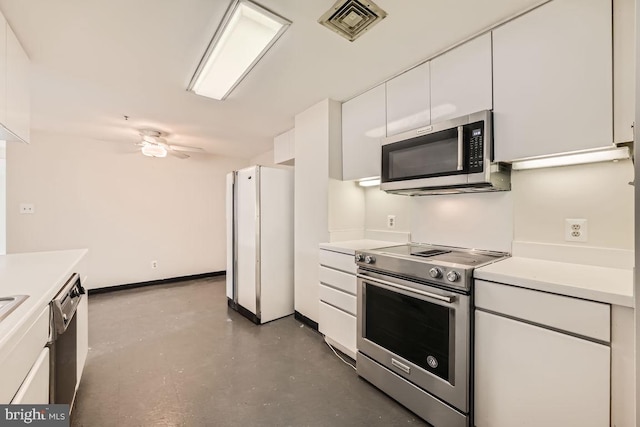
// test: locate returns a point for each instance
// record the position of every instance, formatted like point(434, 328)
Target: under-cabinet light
point(246, 33)
point(369, 182)
point(152, 150)
point(593, 156)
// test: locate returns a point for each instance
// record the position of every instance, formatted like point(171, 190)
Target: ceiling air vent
point(351, 18)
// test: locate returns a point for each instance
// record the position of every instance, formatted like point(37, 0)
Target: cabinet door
point(18, 87)
point(528, 375)
point(363, 127)
point(408, 100)
point(3, 69)
point(552, 80)
point(284, 148)
point(461, 80)
point(35, 388)
point(624, 25)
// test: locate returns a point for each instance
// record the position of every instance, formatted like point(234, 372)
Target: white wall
point(380, 205)
point(346, 205)
point(126, 208)
point(599, 192)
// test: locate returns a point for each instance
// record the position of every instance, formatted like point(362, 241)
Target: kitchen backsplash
point(480, 221)
point(534, 211)
point(598, 192)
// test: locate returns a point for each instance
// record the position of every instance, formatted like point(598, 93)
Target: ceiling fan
point(153, 144)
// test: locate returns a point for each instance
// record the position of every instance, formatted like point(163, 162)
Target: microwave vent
point(351, 18)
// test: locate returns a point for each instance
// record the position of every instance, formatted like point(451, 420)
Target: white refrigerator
point(260, 242)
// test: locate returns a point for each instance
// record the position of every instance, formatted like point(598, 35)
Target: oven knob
point(453, 276)
point(435, 272)
point(359, 258)
point(369, 259)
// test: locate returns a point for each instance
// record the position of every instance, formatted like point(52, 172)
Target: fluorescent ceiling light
point(369, 182)
point(246, 33)
point(152, 150)
point(593, 156)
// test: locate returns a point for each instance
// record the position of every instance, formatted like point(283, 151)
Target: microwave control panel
point(476, 148)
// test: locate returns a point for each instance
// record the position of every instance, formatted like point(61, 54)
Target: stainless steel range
point(414, 326)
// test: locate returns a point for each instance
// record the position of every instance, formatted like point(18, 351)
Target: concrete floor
point(175, 355)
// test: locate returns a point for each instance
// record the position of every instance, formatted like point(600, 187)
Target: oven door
point(419, 332)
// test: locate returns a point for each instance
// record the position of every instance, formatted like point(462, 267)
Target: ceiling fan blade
point(178, 154)
point(188, 148)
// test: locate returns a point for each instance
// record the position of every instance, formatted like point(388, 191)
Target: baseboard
point(306, 321)
point(155, 282)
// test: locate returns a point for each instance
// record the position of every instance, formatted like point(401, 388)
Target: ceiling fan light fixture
point(246, 33)
point(152, 150)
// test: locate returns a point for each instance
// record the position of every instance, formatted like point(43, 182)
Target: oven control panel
point(443, 274)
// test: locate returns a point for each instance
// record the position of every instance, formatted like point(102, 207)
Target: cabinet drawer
point(581, 317)
point(338, 261)
point(338, 279)
point(339, 299)
point(35, 388)
point(339, 326)
point(15, 367)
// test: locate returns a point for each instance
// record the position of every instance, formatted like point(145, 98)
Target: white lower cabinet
point(19, 361)
point(337, 299)
point(35, 388)
point(535, 375)
point(82, 340)
point(339, 328)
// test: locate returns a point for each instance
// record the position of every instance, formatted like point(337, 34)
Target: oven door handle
point(447, 299)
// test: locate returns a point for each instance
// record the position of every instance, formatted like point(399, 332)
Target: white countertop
point(349, 247)
point(40, 275)
point(602, 284)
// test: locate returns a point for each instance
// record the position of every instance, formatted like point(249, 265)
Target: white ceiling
point(95, 61)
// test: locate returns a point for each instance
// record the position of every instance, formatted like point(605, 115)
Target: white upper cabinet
point(15, 95)
point(3, 69)
point(623, 70)
point(363, 127)
point(284, 150)
point(461, 80)
point(408, 100)
point(552, 80)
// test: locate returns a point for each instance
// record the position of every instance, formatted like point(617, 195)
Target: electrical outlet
point(154, 264)
point(27, 208)
point(391, 221)
point(576, 230)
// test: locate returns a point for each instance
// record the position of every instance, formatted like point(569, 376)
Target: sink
point(8, 304)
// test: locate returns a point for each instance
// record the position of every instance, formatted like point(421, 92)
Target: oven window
point(430, 155)
point(416, 330)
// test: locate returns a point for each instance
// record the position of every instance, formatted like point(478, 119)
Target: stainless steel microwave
point(454, 156)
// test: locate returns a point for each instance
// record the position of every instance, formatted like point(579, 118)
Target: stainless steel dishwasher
point(63, 342)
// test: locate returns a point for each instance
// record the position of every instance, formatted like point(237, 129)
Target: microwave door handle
point(460, 147)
